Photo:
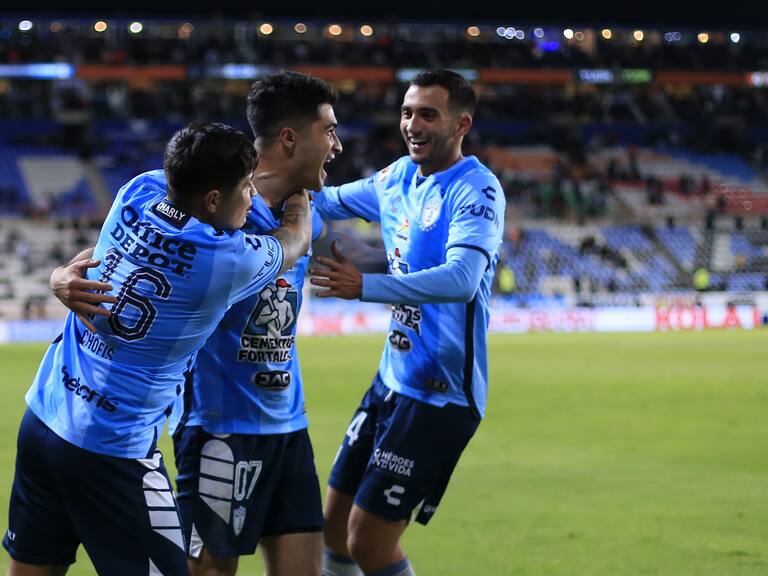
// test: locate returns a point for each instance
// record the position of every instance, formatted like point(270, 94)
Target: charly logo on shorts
point(392, 493)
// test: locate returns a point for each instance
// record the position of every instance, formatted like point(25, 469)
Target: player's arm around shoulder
point(260, 259)
point(295, 231)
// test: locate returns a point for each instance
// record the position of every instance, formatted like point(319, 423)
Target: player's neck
point(273, 183)
point(441, 166)
point(198, 212)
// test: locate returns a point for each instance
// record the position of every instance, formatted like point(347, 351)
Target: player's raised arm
point(295, 231)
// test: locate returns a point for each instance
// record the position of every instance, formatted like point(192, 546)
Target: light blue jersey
point(435, 352)
point(247, 378)
point(174, 277)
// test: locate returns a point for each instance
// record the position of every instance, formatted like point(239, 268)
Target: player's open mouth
point(418, 145)
point(328, 160)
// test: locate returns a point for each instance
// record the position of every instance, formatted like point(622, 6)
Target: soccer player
point(88, 469)
point(266, 490)
point(246, 465)
point(441, 216)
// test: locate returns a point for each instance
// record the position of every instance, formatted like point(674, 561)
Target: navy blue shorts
point(399, 453)
point(122, 510)
point(234, 489)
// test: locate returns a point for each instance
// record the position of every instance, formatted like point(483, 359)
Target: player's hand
point(301, 197)
point(69, 285)
point(339, 275)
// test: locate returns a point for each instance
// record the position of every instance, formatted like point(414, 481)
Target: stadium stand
point(628, 166)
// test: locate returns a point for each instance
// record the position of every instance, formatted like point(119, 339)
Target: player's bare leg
point(373, 542)
point(292, 554)
point(20, 569)
point(208, 565)
point(336, 558)
point(337, 509)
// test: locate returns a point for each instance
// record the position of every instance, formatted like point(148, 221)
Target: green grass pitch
point(601, 455)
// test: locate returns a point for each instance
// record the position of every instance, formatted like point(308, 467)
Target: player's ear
point(211, 201)
point(287, 137)
point(465, 124)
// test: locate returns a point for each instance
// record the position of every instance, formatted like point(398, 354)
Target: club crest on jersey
point(268, 334)
point(238, 519)
point(431, 212)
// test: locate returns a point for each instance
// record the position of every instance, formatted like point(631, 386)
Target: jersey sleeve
point(317, 223)
point(477, 216)
point(455, 281)
point(257, 262)
point(354, 200)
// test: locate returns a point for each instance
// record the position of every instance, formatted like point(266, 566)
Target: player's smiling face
point(431, 129)
point(317, 145)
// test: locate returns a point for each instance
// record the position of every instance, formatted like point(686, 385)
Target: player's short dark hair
point(461, 95)
point(286, 99)
point(206, 156)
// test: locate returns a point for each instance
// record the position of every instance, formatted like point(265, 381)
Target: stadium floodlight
point(300, 28)
point(579, 35)
point(25, 25)
point(266, 29)
point(335, 30)
point(135, 27)
point(185, 30)
point(500, 31)
point(538, 32)
point(606, 33)
point(568, 33)
point(473, 31)
point(100, 26)
point(703, 37)
point(55, 27)
point(735, 37)
point(638, 35)
point(520, 34)
point(509, 33)
point(366, 30)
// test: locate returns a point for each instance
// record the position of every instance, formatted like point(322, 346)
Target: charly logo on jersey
point(430, 212)
point(268, 334)
point(396, 205)
point(171, 214)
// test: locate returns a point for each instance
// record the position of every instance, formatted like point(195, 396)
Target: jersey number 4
point(353, 431)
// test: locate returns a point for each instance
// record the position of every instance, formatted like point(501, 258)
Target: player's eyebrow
point(421, 110)
point(331, 125)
